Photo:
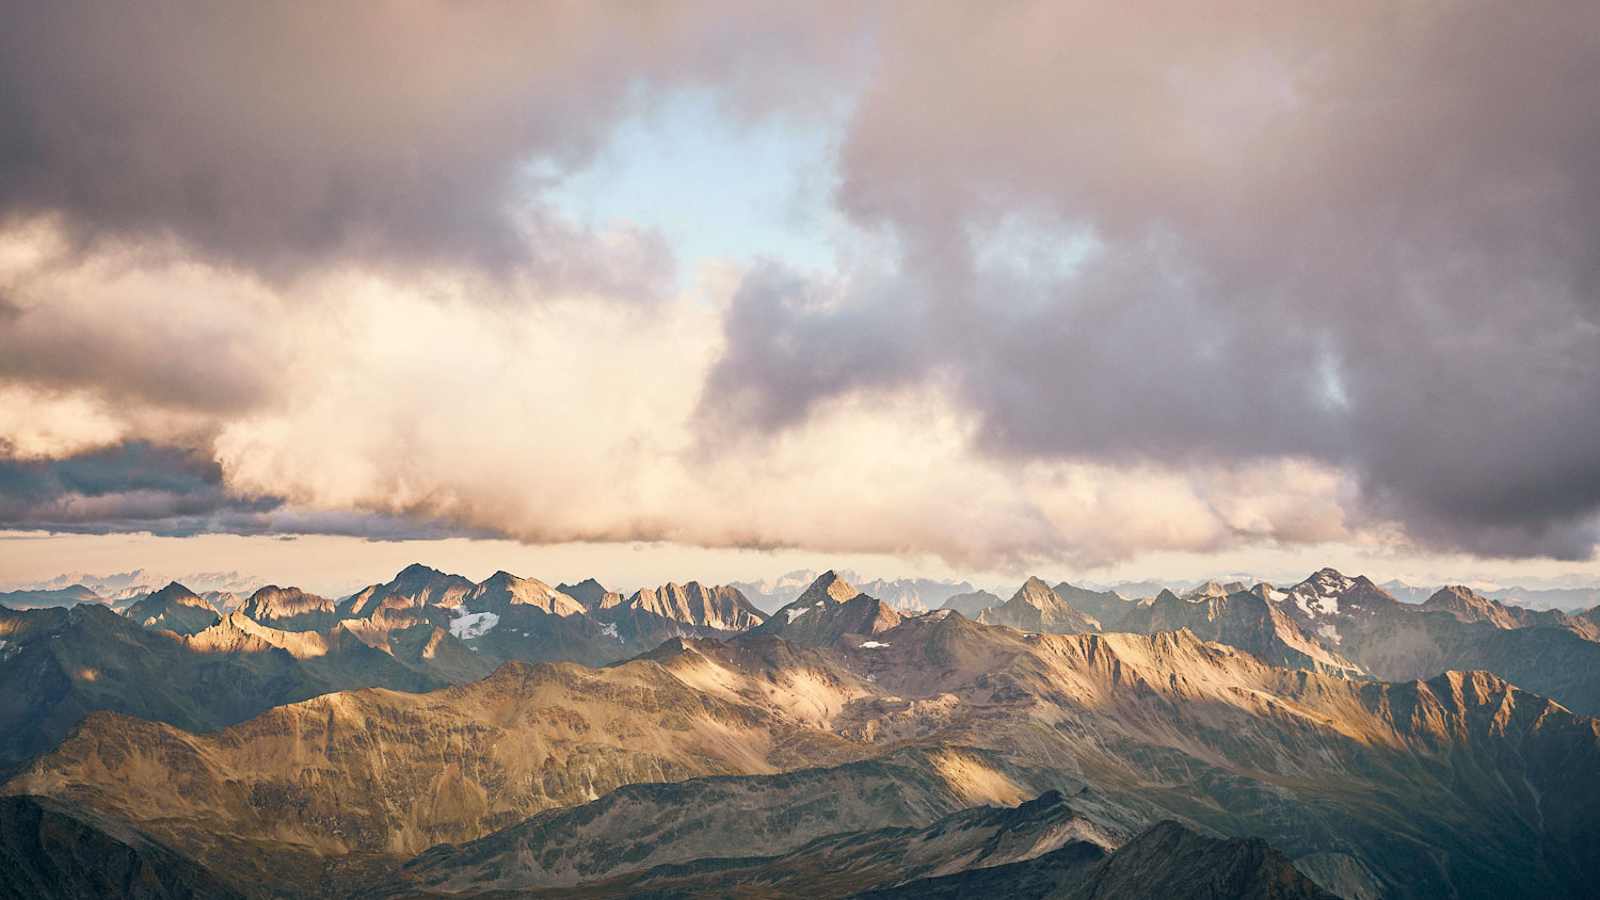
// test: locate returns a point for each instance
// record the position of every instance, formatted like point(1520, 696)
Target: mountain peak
point(831, 586)
point(1036, 592)
point(589, 593)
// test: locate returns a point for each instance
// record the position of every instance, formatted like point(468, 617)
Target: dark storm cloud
point(277, 137)
point(170, 492)
point(1369, 236)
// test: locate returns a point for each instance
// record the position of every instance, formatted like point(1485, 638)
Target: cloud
point(1366, 238)
point(402, 134)
point(1249, 278)
point(170, 491)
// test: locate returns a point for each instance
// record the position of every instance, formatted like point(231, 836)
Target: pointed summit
point(829, 609)
point(177, 593)
point(1036, 593)
point(1037, 607)
point(828, 586)
point(174, 608)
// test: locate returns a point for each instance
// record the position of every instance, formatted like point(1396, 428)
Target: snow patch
point(471, 625)
point(873, 645)
point(610, 630)
point(1331, 633)
point(1314, 605)
point(1276, 595)
point(797, 613)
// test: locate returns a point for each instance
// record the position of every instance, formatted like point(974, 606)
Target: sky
point(713, 290)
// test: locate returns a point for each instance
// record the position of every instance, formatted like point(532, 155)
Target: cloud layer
point(1367, 237)
point(1238, 276)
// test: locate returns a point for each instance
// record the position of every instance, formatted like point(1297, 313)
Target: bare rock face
point(1036, 607)
point(291, 609)
point(174, 608)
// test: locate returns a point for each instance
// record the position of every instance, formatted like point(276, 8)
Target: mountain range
point(430, 735)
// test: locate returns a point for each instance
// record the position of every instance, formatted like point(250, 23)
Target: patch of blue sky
point(715, 185)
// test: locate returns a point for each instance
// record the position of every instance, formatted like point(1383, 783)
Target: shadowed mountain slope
point(47, 853)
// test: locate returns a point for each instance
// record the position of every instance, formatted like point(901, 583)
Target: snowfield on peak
point(471, 625)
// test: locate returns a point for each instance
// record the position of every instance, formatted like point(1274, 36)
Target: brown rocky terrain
point(1458, 786)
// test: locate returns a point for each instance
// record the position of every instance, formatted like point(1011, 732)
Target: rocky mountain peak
point(1037, 607)
point(590, 593)
point(177, 593)
point(1469, 606)
point(174, 608)
point(829, 586)
point(1036, 592)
